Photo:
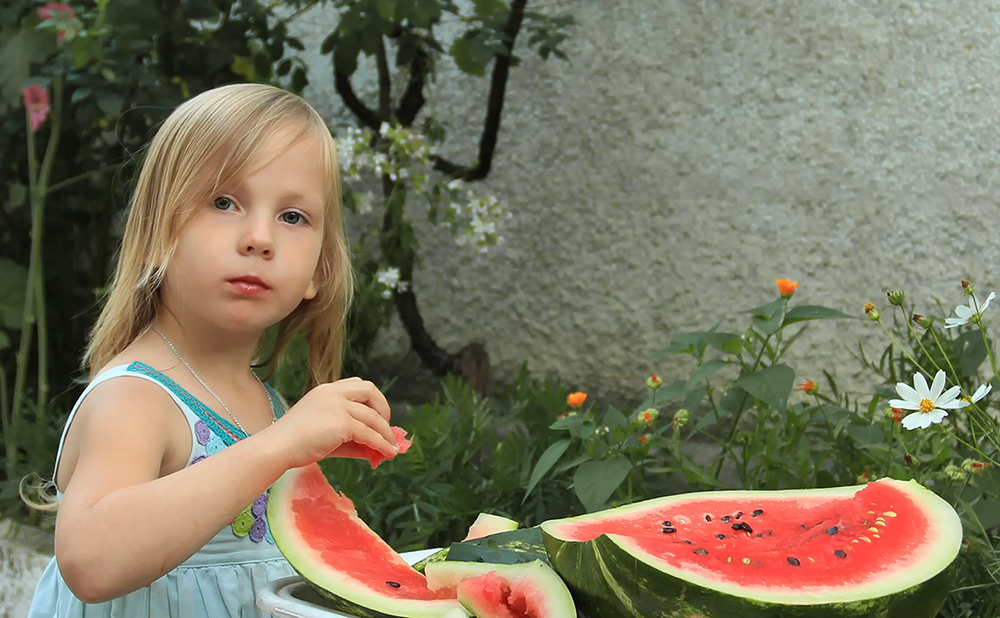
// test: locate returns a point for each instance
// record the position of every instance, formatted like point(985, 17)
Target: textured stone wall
point(693, 151)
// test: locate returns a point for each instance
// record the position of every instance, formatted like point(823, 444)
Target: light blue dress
point(223, 577)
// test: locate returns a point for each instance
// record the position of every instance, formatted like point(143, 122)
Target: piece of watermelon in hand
point(356, 450)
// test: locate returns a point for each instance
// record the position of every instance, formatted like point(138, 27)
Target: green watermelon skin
point(622, 586)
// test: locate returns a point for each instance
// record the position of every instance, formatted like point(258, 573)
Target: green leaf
point(613, 418)
point(674, 348)
point(464, 52)
point(18, 195)
point(345, 55)
point(545, 463)
point(704, 371)
point(724, 342)
point(815, 312)
point(4, 340)
point(18, 50)
point(767, 318)
point(595, 481)
point(771, 385)
point(13, 281)
point(386, 9)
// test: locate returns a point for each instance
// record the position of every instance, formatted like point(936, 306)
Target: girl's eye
point(223, 203)
point(293, 218)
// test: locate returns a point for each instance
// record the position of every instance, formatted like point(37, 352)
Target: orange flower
point(897, 415)
point(786, 287)
point(978, 467)
point(806, 387)
point(575, 400)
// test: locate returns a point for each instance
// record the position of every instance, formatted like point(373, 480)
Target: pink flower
point(64, 17)
point(36, 101)
point(52, 9)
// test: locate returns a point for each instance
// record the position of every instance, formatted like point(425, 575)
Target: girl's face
point(249, 255)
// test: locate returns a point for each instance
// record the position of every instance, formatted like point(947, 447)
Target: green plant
point(469, 455)
point(113, 71)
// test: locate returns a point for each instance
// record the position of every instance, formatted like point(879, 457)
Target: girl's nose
point(258, 239)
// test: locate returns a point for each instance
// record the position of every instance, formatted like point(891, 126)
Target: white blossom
point(929, 404)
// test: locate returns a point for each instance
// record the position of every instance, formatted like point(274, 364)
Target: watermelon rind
point(487, 524)
point(612, 578)
point(340, 592)
point(549, 591)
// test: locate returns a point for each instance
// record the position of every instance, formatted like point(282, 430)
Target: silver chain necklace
point(274, 416)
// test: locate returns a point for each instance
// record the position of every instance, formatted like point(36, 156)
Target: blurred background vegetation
point(115, 68)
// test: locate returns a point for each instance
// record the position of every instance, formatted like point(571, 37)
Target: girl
point(165, 462)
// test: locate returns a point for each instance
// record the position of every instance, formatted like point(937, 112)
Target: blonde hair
point(208, 142)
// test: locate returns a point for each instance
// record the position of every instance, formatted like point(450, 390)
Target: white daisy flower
point(968, 313)
point(981, 392)
point(929, 404)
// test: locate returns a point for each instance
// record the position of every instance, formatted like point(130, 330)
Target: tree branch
point(367, 117)
point(498, 90)
point(413, 98)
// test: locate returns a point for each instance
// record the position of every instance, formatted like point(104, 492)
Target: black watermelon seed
point(831, 530)
point(667, 523)
point(803, 526)
point(840, 553)
point(708, 518)
point(747, 528)
point(670, 530)
point(738, 526)
point(726, 519)
point(393, 584)
point(760, 536)
point(688, 542)
point(720, 536)
point(756, 513)
point(701, 552)
point(793, 561)
point(739, 514)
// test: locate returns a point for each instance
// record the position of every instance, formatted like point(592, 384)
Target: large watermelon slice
point(881, 550)
point(319, 532)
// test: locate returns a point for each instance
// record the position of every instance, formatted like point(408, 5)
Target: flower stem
point(903, 349)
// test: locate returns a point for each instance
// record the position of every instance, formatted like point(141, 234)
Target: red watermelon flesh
point(492, 591)
point(357, 551)
point(807, 543)
point(357, 450)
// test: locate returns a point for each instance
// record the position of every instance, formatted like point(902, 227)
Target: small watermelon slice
point(885, 549)
point(522, 590)
point(487, 524)
point(356, 450)
point(352, 568)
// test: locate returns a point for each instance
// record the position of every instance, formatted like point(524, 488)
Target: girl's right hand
point(331, 415)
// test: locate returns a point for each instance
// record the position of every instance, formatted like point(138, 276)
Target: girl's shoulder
point(124, 411)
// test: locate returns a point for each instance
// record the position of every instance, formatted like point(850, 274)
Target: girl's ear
point(311, 290)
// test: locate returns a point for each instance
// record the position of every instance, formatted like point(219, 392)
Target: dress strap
point(192, 407)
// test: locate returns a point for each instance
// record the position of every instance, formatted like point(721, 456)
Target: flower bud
point(873, 313)
point(967, 287)
point(955, 473)
point(644, 438)
point(653, 381)
point(681, 418)
point(895, 297)
point(786, 287)
point(646, 417)
point(862, 479)
point(921, 320)
point(911, 460)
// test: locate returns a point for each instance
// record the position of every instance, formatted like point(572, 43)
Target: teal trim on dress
point(226, 431)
